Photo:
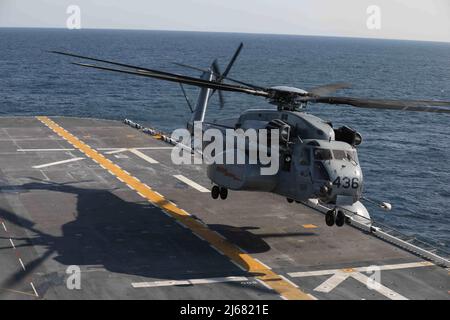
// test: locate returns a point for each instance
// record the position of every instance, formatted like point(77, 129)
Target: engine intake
point(348, 135)
point(285, 129)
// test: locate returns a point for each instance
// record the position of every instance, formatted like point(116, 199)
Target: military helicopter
point(316, 160)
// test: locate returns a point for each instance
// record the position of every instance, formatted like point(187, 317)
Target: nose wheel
point(335, 216)
point(340, 218)
point(330, 217)
point(223, 193)
point(217, 192)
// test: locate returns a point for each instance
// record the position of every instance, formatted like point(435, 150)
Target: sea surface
point(405, 156)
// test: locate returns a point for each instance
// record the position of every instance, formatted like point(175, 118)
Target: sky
point(399, 19)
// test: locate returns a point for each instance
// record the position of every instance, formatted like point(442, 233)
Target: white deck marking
point(385, 291)
point(21, 263)
point(243, 269)
point(4, 227)
point(170, 283)
point(12, 243)
point(332, 282)
point(265, 265)
point(200, 237)
point(399, 266)
point(265, 285)
point(154, 148)
point(116, 151)
point(312, 273)
point(191, 183)
point(143, 156)
point(218, 251)
point(56, 163)
point(137, 148)
point(45, 176)
point(43, 150)
point(361, 269)
point(34, 289)
point(287, 280)
point(340, 275)
point(110, 150)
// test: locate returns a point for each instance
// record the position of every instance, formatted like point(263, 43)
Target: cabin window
point(305, 156)
point(320, 173)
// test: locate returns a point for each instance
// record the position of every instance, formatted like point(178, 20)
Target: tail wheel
point(223, 193)
point(330, 218)
point(340, 218)
point(215, 192)
point(289, 200)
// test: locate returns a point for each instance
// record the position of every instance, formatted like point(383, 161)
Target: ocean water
point(405, 155)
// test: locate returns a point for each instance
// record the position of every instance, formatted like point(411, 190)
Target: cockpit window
point(351, 155)
point(345, 155)
point(339, 154)
point(322, 154)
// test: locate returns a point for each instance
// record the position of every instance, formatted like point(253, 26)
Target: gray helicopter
point(316, 161)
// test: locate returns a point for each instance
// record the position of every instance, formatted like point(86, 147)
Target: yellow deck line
point(261, 272)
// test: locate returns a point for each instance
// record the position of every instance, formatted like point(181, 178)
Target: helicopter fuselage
point(312, 162)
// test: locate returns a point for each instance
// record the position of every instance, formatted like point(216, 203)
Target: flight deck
point(103, 197)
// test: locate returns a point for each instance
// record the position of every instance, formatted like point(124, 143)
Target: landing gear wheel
point(215, 192)
point(340, 218)
point(330, 218)
point(289, 200)
point(223, 193)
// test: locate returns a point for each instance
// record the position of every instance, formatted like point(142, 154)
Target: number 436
point(346, 182)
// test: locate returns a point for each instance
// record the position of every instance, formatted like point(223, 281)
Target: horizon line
point(235, 32)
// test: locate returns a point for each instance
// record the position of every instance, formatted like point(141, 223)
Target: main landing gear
point(217, 191)
point(335, 216)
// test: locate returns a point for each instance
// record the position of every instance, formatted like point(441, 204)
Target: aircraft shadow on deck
point(125, 237)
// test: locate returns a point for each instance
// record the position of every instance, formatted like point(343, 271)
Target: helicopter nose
point(346, 181)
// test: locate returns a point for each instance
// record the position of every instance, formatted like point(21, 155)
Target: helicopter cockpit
point(321, 154)
point(335, 169)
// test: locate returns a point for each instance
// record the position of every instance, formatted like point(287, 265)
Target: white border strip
point(170, 283)
point(191, 183)
point(56, 163)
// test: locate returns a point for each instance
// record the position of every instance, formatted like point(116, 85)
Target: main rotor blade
point(190, 67)
point(217, 75)
point(151, 70)
point(186, 98)
point(171, 77)
point(232, 61)
point(403, 105)
point(110, 62)
point(328, 89)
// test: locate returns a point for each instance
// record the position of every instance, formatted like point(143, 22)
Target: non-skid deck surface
point(106, 198)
